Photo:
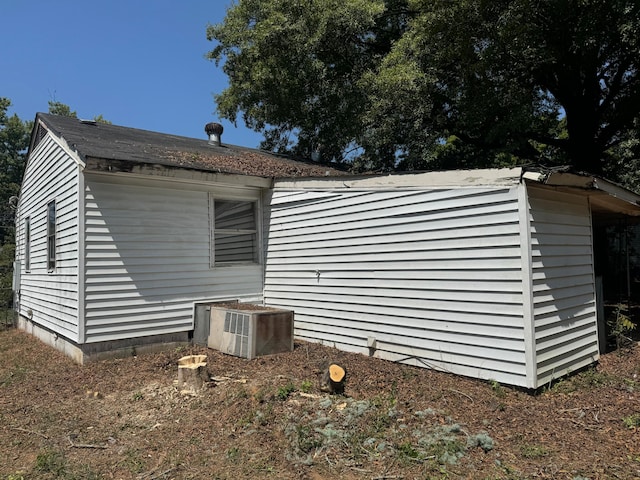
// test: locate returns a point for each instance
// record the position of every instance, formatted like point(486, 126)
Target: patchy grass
point(632, 421)
point(267, 418)
point(533, 451)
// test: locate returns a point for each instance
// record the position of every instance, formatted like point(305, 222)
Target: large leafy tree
point(294, 68)
point(434, 83)
point(540, 79)
point(14, 139)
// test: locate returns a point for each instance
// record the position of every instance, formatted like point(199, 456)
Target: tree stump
point(192, 373)
point(333, 378)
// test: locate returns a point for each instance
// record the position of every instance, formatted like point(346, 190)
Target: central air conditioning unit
point(249, 331)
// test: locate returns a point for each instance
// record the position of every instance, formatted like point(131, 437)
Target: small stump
point(192, 373)
point(333, 378)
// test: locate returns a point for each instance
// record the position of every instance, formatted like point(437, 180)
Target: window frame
point(51, 220)
point(256, 251)
point(27, 244)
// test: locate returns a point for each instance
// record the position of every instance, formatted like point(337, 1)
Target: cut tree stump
point(192, 373)
point(333, 378)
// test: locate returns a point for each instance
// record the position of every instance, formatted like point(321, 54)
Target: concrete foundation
point(92, 352)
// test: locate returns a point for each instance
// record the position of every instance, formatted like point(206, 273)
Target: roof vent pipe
point(214, 130)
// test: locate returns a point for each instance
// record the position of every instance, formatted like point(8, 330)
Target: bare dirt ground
point(266, 418)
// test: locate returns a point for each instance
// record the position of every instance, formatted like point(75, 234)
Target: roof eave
point(605, 196)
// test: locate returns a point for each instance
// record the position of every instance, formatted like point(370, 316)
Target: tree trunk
point(192, 373)
point(333, 378)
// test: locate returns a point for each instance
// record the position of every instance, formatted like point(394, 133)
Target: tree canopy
point(14, 140)
point(424, 84)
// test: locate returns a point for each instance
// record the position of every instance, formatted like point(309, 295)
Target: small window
point(51, 236)
point(234, 233)
point(27, 244)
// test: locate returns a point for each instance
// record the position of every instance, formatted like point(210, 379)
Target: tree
point(434, 83)
point(59, 108)
point(294, 68)
point(508, 75)
point(14, 140)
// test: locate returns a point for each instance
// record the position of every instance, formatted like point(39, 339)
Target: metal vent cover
point(237, 323)
point(40, 134)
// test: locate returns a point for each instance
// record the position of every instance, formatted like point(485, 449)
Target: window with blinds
point(234, 233)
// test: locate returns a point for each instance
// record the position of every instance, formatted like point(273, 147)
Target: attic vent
point(214, 130)
point(41, 132)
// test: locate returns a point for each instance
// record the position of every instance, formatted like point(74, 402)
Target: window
point(27, 244)
point(51, 235)
point(234, 233)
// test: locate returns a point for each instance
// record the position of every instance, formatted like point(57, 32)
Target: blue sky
point(139, 63)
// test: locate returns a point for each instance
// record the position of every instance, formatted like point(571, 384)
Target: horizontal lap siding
point(434, 276)
point(51, 297)
point(147, 260)
point(563, 284)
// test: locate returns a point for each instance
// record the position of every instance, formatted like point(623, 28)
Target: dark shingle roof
point(93, 140)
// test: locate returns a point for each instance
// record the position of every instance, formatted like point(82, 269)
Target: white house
point(487, 273)
point(121, 231)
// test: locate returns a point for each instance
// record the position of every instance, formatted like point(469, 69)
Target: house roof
point(606, 198)
point(105, 142)
point(101, 146)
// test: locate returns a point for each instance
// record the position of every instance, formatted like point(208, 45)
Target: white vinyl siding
point(49, 297)
point(147, 258)
point(564, 304)
point(433, 276)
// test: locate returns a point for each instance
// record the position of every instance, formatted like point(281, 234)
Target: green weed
point(497, 388)
point(306, 386)
point(136, 397)
point(133, 462)
point(407, 451)
point(284, 392)
point(52, 462)
point(233, 453)
point(632, 421)
point(620, 326)
point(533, 451)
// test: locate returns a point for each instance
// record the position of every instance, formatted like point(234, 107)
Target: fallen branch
point(361, 470)
point(582, 424)
point(85, 445)
point(31, 432)
point(461, 393)
point(388, 477)
point(162, 474)
point(150, 474)
point(577, 409)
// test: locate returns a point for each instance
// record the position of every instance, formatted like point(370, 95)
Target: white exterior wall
point(50, 299)
point(147, 256)
point(433, 277)
point(564, 305)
